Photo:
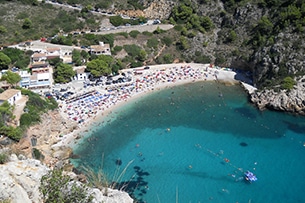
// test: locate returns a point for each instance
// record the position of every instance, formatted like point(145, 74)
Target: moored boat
point(249, 176)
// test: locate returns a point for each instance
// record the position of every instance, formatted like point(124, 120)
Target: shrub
point(3, 158)
point(146, 33)
point(134, 33)
point(116, 49)
point(36, 154)
point(232, 36)
point(132, 50)
point(168, 58)
point(56, 187)
point(202, 59)
point(125, 34)
point(158, 31)
point(152, 43)
point(167, 41)
point(135, 64)
point(116, 20)
point(288, 83)
point(178, 27)
point(11, 132)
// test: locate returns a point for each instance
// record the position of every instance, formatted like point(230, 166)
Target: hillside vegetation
point(260, 36)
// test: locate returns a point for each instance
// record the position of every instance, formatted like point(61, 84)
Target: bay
point(193, 143)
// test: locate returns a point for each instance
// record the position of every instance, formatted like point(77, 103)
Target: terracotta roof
point(52, 56)
point(8, 94)
point(80, 71)
point(39, 64)
point(38, 55)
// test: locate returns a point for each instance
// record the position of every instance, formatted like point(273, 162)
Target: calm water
point(192, 143)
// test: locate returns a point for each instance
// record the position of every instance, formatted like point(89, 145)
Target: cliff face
point(20, 181)
point(266, 39)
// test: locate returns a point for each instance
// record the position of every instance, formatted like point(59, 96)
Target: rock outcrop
point(20, 181)
point(289, 101)
point(54, 125)
point(158, 9)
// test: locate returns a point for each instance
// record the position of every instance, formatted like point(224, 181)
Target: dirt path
point(18, 110)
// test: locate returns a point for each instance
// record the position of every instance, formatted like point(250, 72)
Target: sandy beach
point(92, 105)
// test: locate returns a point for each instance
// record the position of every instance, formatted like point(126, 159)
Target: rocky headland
point(283, 100)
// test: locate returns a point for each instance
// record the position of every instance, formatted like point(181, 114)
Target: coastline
point(203, 72)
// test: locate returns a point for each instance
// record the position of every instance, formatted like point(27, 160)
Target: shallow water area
point(193, 143)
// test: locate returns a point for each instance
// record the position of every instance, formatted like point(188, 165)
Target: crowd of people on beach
point(88, 104)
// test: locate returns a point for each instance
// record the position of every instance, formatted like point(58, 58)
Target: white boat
point(249, 176)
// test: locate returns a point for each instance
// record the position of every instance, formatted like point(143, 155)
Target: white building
point(80, 73)
point(10, 95)
point(101, 49)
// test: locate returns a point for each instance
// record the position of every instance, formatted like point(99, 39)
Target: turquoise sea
point(192, 143)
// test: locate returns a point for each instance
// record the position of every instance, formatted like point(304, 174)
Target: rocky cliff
point(283, 100)
point(21, 175)
point(20, 181)
point(266, 39)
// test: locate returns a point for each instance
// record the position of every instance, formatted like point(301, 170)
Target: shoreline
point(200, 73)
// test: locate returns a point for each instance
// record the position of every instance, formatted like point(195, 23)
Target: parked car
point(48, 95)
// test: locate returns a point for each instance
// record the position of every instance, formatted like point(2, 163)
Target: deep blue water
point(191, 143)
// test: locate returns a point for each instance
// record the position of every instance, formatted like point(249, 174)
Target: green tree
point(183, 43)
point(206, 23)
point(18, 57)
point(5, 61)
point(85, 55)
point(56, 187)
point(182, 12)
point(117, 66)
point(142, 55)
point(11, 132)
point(6, 113)
point(232, 36)
point(98, 67)
point(63, 73)
point(11, 78)
point(27, 23)
point(76, 57)
point(264, 26)
point(55, 61)
point(195, 21)
point(2, 29)
point(116, 20)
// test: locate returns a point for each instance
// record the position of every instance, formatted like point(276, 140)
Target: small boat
point(249, 176)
